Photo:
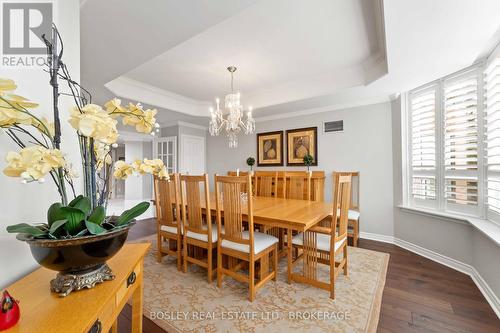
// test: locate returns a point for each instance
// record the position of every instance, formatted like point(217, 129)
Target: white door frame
point(181, 151)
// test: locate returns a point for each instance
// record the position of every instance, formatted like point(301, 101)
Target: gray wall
point(365, 145)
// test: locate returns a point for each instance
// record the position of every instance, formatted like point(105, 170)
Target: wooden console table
point(90, 310)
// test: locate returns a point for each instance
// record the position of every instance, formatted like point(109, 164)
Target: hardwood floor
point(419, 296)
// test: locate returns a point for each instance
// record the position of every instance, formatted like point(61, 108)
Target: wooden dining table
point(289, 214)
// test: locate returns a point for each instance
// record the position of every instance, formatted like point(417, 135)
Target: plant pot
point(80, 261)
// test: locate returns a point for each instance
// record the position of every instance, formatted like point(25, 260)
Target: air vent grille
point(334, 126)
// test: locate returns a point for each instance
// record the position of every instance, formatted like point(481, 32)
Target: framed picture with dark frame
point(299, 143)
point(270, 149)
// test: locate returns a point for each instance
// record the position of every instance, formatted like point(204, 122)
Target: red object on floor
point(9, 311)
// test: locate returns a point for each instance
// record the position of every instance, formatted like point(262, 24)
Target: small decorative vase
point(80, 261)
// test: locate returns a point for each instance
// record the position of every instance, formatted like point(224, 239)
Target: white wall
point(364, 146)
point(29, 203)
point(133, 184)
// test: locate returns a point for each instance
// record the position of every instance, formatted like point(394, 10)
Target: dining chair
point(321, 244)
point(297, 186)
point(168, 221)
point(245, 246)
point(266, 183)
point(354, 212)
point(199, 233)
point(240, 174)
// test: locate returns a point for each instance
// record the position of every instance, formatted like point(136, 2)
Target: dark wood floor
point(419, 296)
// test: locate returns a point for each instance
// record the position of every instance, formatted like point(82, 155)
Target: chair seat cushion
point(352, 215)
point(204, 237)
point(169, 229)
point(261, 242)
point(322, 241)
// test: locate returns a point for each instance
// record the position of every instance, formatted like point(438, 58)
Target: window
point(423, 146)
point(460, 98)
point(453, 143)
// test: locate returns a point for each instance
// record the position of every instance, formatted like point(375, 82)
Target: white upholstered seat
point(352, 215)
point(170, 229)
point(204, 237)
point(322, 241)
point(261, 241)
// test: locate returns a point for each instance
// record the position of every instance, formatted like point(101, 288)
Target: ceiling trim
point(133, 136)
point(148, 94)
point(184, 124)
point(333, 107)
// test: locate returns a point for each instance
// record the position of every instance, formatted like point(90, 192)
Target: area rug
point(185, 302)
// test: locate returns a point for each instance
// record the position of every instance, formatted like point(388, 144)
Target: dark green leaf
point(98, 215)
point(75, 216)
point(132, 213)
point(94, 229)
point(82, 203)
point(81, 233)
point(24, 228)
point(54, 213)
point(56, 225)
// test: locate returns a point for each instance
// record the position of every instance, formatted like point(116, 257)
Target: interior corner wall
point(29, 203)
point(147, 181)
point(134, 184)
point(365, 145)
point(455, 240)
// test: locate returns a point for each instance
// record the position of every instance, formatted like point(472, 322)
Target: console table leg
point(114, 328)
point(137, 303)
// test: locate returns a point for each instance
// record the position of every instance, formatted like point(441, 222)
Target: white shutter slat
point(423, 145)
point(461, 140)
point(492, 103)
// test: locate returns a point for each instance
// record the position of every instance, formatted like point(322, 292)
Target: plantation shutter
point(423, 147)
point(492, 102)
point(461, 142)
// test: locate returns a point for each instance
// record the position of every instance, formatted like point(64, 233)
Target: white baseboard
point(437, 257)
point(444, 260)
point(486, 290)
point(377, 237)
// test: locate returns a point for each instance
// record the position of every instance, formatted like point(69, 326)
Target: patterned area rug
point(180, 302)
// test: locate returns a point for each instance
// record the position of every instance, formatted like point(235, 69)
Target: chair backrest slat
point(167, 200)
point(266, 184)
point(341, 203)
point(192, 196)
point(297, 186)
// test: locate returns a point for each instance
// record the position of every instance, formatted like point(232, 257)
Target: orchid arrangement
point(40, 155)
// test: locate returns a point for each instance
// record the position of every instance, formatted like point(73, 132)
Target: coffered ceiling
point(292, 55)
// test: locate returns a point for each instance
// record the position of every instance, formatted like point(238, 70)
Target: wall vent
point(334, 126)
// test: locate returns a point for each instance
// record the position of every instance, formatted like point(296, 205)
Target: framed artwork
point(270, 149)
point(299, 143)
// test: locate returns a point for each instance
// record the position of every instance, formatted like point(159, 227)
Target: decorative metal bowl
point(80, 261)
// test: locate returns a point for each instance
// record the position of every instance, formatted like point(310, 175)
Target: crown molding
point(133, 136)
point(332, 107)
point(148, 94)
point(184, 124)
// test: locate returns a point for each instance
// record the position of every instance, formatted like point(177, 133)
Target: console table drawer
point(129, 285)
point(105, 319)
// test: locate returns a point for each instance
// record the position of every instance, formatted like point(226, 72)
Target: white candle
point(238, 172)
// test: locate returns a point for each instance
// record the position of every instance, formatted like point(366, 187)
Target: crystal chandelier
point(234, 122)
